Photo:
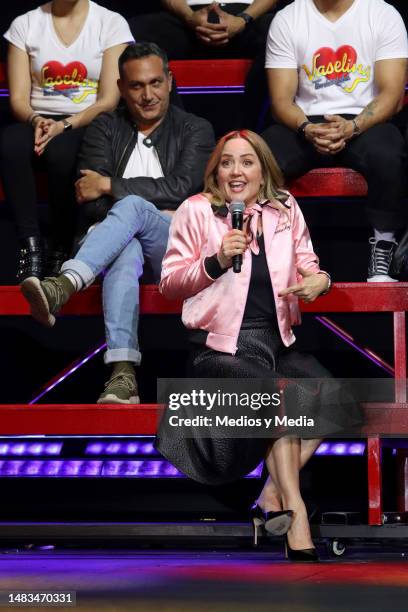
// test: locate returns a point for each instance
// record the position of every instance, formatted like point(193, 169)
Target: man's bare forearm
point(260, 7)
point(379, 110)
point(179, 8)
point(390, 77)
point(289, 114)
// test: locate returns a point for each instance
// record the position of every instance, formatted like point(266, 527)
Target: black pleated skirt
point(261, 354)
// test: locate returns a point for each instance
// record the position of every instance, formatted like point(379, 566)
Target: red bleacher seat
point(3, 75)
point(210, 73)
point(322, 182)
point(329, 182)
point(344, 297)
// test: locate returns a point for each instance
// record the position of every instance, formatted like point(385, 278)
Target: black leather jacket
point(183, 143)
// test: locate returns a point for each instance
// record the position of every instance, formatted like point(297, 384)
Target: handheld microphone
point(237, 213)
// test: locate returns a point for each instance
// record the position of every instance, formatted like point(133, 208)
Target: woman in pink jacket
point(240, 325)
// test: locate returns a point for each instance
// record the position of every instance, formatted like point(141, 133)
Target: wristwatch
point(247, 18)
point(356, 129)
point(67, 125)
point(302, 127)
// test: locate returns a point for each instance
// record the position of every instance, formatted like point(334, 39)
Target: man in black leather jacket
point(137, 165)
point(182, 141)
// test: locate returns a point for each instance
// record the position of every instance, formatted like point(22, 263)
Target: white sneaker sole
point(112, 399)
point(382, 278)
point(35, 296)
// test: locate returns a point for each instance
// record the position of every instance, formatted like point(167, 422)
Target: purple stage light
point(168, 470)
point(138, 469)
point(70, 468)
point(212, 89)
point(82, 468)
point(91, 468)
point(111, 468)
point(357, 448)
point(18, 448)
point(26, 449)
point(51, 468)
point(78, 364)
point(10, 468)
point(147, 448)
point(366, 353)
point(121, 448)
point(256, 473)
point(131, 448)
point(37, 448)
point(343, 449)
point(94, 448)
point(322, 449)
point(31, 468)
point(52, 448)
point(113, 448)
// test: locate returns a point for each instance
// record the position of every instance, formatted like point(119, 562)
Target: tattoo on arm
point(369, 110)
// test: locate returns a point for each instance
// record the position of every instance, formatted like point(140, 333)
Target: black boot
point(31, 260)
point(54, 261)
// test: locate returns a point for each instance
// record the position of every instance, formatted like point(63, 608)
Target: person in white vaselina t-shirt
point(198, 29)
point(336, 73)
point(62, 70)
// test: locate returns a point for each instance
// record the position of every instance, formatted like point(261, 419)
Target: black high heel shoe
point(278, 523)
point(275, 523)
point(304, 555)
point(258, 521)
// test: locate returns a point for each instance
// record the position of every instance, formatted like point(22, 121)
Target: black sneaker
point(380, 261)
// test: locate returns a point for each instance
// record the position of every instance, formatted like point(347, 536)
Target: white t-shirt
point(65, 79)
point(144, 160)
point(335, 61)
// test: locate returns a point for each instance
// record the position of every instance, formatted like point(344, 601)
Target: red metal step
point(344, 297)
point(143, 419)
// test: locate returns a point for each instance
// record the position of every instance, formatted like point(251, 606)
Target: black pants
point(180, 43)
point(19, 163)
point(379, 154)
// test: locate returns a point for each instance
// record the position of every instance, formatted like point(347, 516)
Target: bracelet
point(356, 129)
point(326, 291)
point(32, 117)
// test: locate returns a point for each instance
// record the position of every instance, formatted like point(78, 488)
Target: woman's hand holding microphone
point(235, 242)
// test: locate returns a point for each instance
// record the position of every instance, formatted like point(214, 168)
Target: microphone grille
point(237, 207)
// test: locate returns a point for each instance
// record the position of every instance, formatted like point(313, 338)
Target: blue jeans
point(133, 232)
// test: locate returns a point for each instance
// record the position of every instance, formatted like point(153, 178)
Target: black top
point(260, 303)
point(260, 309)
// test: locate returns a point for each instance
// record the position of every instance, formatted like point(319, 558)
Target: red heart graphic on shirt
point(346, 56)
point(62, 77)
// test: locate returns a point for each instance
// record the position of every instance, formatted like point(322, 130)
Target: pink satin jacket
point(217, 306)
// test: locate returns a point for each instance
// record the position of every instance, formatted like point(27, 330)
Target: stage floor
point(205, 580)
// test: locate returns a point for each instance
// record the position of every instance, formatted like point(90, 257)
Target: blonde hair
point(272, 176)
